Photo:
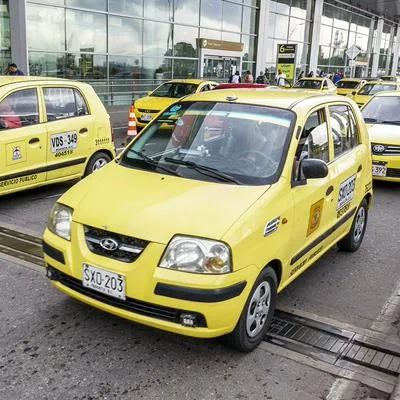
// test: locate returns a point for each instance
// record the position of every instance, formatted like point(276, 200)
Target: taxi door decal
point(15, 152)
point(315, 216)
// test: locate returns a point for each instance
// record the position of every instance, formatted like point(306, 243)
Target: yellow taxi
point(223, 200)
point(51, 130)
point(382, 116)
point(164, 95)
point(321, 85)
point(362, 95)
point(347, 86)
point(390, 78)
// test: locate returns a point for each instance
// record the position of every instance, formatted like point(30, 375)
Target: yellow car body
point(365, 93)
point(52, 130)
point(279, 226)
point(146, 108)
point(347, 86)
point(383, 122)
point(317, 84)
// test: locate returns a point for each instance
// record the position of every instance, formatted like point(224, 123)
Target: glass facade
point(146, 41)
point(5, 37)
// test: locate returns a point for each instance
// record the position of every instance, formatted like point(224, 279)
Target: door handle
point(83, 130)
point(329, 190)
point(34, 140)
point(359, 168)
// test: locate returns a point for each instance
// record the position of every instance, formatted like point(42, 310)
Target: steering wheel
point(262, 160)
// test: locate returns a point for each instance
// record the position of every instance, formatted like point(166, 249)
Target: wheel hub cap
point(359, 225)
point(258, 308)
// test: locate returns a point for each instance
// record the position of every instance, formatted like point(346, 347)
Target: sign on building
point(286, 60)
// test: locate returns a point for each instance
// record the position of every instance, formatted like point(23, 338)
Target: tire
point(97, 161)
point(352, 241)
point(250, 330)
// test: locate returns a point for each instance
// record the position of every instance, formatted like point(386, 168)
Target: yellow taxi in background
point(390, 78)
point(347, 86)
point(382, 116)
point(223, 200)
point(362, 95)
point(164, 95)
point(322, 85)
point(51, 130)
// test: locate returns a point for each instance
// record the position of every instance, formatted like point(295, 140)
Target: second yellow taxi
point(365, 93)
point(317, 84)
point(347, 86)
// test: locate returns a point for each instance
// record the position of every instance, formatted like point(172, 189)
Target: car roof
point(351, 79)
point(381, 83)
point(316, 78)
point(4, 80)
point(272, 97)
point(240, 85)
point(190, 81)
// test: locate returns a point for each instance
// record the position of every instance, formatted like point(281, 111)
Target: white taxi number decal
point(346, 191)
point(64, 141)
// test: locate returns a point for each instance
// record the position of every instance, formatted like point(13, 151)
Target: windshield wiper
point(370, 120)
point(152, 162)
point(391, 122)
point(202, 169)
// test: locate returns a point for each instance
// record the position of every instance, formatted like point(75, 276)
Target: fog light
point(188, 319)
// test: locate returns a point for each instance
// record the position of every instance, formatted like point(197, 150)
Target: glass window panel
point(249, 20)
point(86, 31)
point(157, 39)
point(337, 56)
point(363, 30)
point(125, 67)
point(297, 30)
point(45, 27)
point(185, 41)
point(249, 50)
point(91, 4)
point(362, 42)
point(231, 37)
point(46, 64)
point(341, 19)
point(210, 34)
point(326, 34)
point(270, 47)
point(278, 26)
point(128, 43)
point(85, 66)
point(299, 8)
point(157, 67)
point(327, 14)
point(280, 6)
point(323, 55)
point(60, 103)
point(231, 17)
point(211, 14)
point(159, 9)
point(185, 68)
point(54, 2)
point(129, 7)
point(187, 11)
point(254, 3)
point(339, 39)
point(249, 66)
point(81, 105)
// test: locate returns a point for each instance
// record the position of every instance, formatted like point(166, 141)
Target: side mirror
point(354, 93)
point(312, 168)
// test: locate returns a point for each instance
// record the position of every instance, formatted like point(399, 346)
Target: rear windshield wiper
point(202, 169)
point(152, 162)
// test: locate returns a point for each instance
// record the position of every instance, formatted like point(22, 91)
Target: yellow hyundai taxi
point(222, 201)
point(362, 95)
point(51, 130)
point(322, 85)
point(382, 115)
point(347, 86)
point(164, 95)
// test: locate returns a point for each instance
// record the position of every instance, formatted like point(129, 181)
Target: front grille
point(390, 150)
point(143, 110)
point(132, 305)
point(393, 173)
point(128, 250)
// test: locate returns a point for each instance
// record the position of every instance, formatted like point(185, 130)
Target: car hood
point(154, 103)
point(384, 133)
point(154, 206)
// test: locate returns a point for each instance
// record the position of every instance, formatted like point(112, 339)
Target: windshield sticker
point(179, 122)
point(346, 192)
point(64, 141)
point(172, 111)
point(314, 219)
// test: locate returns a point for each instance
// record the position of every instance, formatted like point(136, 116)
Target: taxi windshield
point(385, 109)
point(308, 84)
point(347, 84)
point(175, 90)
point(219, 142)
point(372, 88)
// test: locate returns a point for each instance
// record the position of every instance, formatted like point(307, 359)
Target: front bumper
point(392, 164)
point(157, 297)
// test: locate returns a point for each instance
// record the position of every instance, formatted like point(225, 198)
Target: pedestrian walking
point(280, 79)
point(235, 78)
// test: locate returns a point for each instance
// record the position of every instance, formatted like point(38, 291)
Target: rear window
point(245, 142)
point(308, 84)
point(347, 84)
point(175, 90)
point(372, 88)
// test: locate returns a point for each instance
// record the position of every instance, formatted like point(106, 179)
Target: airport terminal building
point(128, 46)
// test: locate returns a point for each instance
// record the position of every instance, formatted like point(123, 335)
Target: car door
point(347, 166)
point(312, 198)
point(23, 143)
point(69, 131)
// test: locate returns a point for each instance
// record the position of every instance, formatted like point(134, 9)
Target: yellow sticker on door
point(16, 152)
point(315, 216)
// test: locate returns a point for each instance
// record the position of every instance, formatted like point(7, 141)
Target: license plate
point(104, 281)
point(146, 117)
point(64, 141)
point(378, 170)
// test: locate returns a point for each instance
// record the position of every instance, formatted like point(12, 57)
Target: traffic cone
point(132, 130)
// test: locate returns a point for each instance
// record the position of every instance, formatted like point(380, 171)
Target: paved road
point(53, 347)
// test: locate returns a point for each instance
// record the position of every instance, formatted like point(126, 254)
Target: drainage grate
point(330, 344)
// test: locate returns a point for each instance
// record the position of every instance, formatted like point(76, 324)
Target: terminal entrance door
point(220, 68)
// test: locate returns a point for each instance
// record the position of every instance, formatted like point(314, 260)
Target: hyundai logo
point(378, 148)
point(109, 244)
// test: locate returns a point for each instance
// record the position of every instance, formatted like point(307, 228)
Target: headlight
point(60, 221)
point(197, 255)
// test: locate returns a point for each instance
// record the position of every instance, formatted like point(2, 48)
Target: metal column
point(396, 51)
point(377, 48)
point(262, 35)
point(19, 48)
point(390, 50)
point(316, 32)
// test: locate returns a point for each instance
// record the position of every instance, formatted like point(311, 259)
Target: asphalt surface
point(52, 347)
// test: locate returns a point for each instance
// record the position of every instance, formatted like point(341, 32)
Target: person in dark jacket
point(261, 78)
point(13, 70)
